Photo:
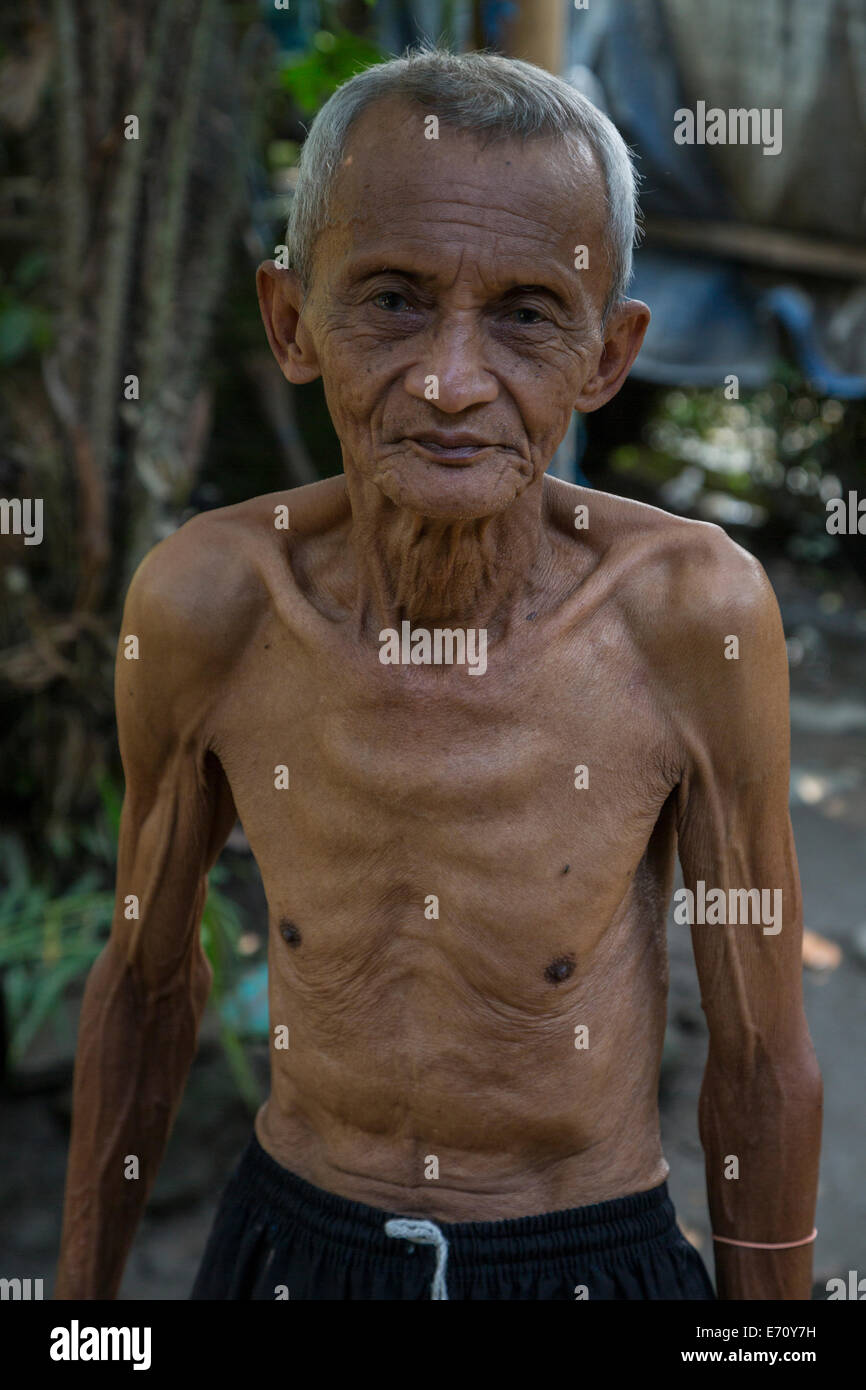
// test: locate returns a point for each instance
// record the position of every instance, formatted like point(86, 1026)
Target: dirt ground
point(829, 812)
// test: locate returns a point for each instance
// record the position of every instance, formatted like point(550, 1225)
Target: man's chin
point(454, 492)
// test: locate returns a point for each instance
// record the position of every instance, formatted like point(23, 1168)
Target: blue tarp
point(711, 316)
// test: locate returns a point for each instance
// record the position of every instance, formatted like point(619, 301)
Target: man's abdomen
point(451, 1059)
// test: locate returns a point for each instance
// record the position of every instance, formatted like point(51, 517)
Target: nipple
point(560, 969)
point(290, 933)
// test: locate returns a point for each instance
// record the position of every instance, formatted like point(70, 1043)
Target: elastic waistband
point(617, 1225)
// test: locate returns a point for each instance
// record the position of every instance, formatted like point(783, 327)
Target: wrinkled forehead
point(492, 203)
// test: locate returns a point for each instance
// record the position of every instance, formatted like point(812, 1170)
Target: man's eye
point(390, 296)
point(538, 317)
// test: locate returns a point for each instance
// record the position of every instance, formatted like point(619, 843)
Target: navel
point(290, 933)
point(560, 969)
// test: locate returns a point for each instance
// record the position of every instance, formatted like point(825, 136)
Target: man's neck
point(432, 571)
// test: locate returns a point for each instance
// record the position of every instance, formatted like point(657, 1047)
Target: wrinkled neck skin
point(429, 570)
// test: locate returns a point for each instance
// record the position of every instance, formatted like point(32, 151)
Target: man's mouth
point(451, 448)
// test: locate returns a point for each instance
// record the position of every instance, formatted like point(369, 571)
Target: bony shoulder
point(684, 582)
point(173, 570)
point(706, 562)
point(197, 585)
point(717, 595)
point(212, 574)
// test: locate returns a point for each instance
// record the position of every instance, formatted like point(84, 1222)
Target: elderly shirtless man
point(466, 714)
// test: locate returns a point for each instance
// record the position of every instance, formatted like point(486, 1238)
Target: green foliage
point(335, 56)
point(25, 326)
point(50, 935)
point(45, 942)
point(777, 454)
point(97, 837)
point(282, 154)
point(220, 932)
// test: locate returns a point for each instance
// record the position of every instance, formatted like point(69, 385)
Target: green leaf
point(30, 269)
point(17, 327)
point(313, 78)
point(112, 802)
point(240, 1068)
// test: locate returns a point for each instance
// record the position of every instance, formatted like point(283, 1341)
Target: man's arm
point(760, 1104)
point(146, 993)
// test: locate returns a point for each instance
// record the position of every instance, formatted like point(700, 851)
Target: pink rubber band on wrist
point(762, 1245)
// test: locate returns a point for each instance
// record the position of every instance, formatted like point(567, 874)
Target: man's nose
point(451, 372)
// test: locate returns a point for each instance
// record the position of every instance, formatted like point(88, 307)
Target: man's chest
point(551, 766)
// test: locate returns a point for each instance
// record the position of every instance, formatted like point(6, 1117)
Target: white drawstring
point(425, 1233)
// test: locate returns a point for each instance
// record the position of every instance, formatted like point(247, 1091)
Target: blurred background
point(137, 389)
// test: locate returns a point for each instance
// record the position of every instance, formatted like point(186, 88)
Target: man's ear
point(280, 299)
point(623, 337)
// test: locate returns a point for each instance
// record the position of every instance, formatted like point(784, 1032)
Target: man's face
point(452, 330)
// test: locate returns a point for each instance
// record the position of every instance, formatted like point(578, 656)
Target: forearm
point(134, 1054)
point(761, 1133)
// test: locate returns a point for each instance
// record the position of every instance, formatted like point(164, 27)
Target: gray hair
point(479, 93)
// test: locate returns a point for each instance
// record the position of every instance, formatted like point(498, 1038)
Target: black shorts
point(276, 1236)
